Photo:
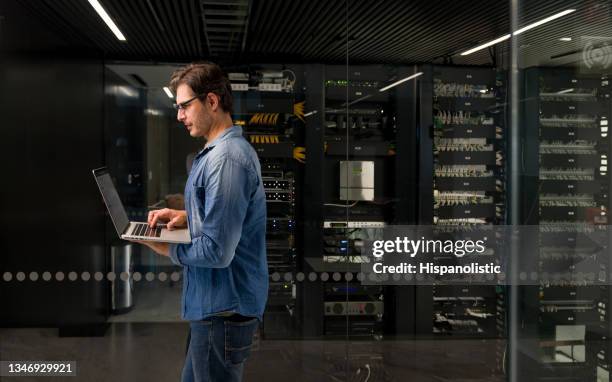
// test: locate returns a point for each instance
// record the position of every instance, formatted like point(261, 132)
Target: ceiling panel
point(388, 31)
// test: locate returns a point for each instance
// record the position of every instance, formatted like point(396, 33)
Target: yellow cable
point(298, 110)
point(299, 154)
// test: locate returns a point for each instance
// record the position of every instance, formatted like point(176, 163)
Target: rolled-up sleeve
point(227, 193)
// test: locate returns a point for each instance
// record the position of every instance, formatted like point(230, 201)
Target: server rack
point(567, 114)
point(462, 135)
point(352, 123)
point(268, 107)
point(359, 142)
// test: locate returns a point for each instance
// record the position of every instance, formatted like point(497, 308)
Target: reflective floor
point(127, 351)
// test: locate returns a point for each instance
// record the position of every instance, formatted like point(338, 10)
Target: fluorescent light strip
point(127, 91)
point(357, 100)
point(486, 45)
point(565, 91)
point(106, 18)
point(154, 112)
point(415, 75)
point(543, 21)
point(168, 92)
point(521, 30)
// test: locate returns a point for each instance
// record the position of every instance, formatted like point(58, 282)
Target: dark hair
point(205, 77)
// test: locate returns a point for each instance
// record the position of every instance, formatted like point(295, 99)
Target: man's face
point(196, 115)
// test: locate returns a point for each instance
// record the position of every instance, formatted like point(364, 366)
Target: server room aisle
point(126, 347)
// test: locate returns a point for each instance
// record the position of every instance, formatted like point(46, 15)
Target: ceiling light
point(544, 21)
point(565, 91)
point(400, 81)
point(106, 18)
point(154, 112)
point(519, 31)
point(486, 45)
point(168, 92)
point(127, 91)
point(357, 100)
point(565, 39)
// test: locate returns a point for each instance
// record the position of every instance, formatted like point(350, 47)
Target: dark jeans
point(218, 348)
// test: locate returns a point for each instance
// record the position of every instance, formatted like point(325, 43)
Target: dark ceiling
point(382, 31)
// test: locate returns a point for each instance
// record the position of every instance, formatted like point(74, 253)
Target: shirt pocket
point(239, 340)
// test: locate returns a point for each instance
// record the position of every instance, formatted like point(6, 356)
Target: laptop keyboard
point(143, 229)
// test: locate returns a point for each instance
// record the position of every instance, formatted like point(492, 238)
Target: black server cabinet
point(360, 137)
point(269, 108)
point(351, 122)
point(565, 129)
point(462, 184)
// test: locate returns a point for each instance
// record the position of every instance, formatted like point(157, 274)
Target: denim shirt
point(224, 267)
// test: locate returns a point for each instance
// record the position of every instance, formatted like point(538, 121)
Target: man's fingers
point(153, 218)
point(172, 222)
point(163, 214)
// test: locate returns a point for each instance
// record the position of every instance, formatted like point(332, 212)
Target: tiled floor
point(155, 351)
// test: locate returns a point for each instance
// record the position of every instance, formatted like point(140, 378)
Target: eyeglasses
point(183, 105)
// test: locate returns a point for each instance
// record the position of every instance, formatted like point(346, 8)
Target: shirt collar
point(230, 132)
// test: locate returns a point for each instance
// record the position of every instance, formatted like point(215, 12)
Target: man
point(224, 267)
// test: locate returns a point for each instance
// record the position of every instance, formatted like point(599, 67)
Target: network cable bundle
point(573, 323)
point(266, 107)
point(469, 187)
point(263, 80)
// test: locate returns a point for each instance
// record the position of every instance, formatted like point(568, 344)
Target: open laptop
point(127, 229)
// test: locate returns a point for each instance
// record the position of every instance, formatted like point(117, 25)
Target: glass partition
point(563, 63)
point(381, 128)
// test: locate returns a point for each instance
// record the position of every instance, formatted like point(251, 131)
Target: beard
point(201, 127)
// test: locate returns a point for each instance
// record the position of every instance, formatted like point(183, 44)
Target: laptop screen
point(112, 201)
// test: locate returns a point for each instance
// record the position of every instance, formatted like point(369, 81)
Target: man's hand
point(159, 248)
point(174, 218)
